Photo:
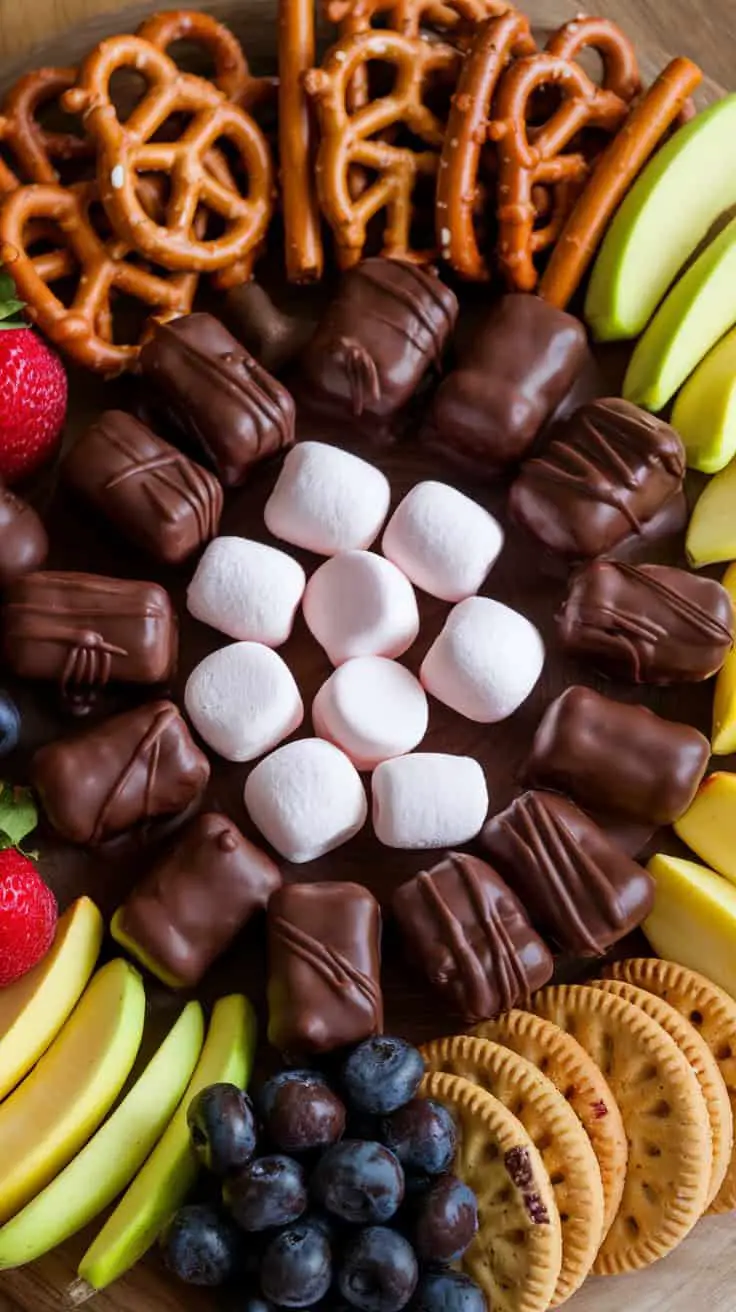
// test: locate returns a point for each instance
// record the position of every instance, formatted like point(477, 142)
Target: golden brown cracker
point(517, 1254)
point(712, 1085)
point(664, 1115)
point(556, 1132)
point(580, 1082)
point(711, 1011)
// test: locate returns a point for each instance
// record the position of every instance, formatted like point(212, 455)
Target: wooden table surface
point(699, 1275)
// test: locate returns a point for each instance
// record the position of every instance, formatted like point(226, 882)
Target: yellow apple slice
point(711, 534)
point(60, 1104)
point(164, 1181)
point(111, 1158)
point(671, 207)
point(698, 311)
point(709, 824)
point(693, 920)
point(705, 411)
point(724, 701)
point(33, 1010)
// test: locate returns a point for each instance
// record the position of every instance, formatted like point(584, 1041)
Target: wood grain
point(698, 1275)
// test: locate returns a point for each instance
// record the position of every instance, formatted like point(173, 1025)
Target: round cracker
point(517, 1254)
point(711, 1011)
point(580, 1082)
point(664, 1115)
point(712, 1085)
point(556, 1132)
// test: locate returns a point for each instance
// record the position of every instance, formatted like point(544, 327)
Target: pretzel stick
point(297, 143)
point(614, 174)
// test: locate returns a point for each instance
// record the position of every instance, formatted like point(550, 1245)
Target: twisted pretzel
point(232, 74)
point(350, 139)
point(126, 149)
point(620, 67)
point(32, 147)
point(497, 42)
point(84, 329)
point(531, 156)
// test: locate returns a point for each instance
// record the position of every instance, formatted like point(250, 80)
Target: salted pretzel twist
point(620, 66)
point(232, 76)
point(350, 139)
point(83, 329)
point(34, 150)
point(126, 149)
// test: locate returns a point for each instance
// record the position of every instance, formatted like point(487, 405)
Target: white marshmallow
point(247, 590)
point(327, 500)
point(373, 709)
point(428, 800)
point(485, 661)
point(444, 542)
point(243, 700)
point(306, 798)
point(359, 604)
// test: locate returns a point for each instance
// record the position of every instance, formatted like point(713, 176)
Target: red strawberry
point(33, 392)
point(28, 911)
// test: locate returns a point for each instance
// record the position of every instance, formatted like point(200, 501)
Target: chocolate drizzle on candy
point(609, 474)
point(582, 889)
point(471, 936)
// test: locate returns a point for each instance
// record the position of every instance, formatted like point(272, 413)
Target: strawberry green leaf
point(18, 814)
point(7, 288)
point(11, 309)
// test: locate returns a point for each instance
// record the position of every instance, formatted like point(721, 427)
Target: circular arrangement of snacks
point(367, 667)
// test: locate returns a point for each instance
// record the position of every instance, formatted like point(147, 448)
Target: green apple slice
point(699, 310)
point(711, 536)
point(164, 1181)
point(670, 209)
point(705, 411)
point(110, 1160)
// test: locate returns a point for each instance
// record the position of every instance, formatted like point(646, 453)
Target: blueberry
point(301, 1112)
point(297, 1266)
point(9, 724)
point(379, 1271)
point(253, 1303)
point(446, 1221)
point(271, 1191)
point(423, 1136)
point(223, 1128)
point(448, 1291)
point(382, 1074)
point(201, 1246)
point(358, 1181)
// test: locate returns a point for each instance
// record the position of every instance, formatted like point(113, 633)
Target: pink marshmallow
point(444, 542)
point(243, 700)
point(359, 604)
point(428, 800)
point(373, 709)
point(485, 662)
point(306, 798)
point(327, 500)
point(247, 590)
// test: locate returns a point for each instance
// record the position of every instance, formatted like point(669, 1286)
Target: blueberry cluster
point(337, 1199)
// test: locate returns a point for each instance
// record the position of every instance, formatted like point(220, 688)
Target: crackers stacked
point(596, 1128)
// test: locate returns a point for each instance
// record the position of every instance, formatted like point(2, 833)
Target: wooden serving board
point(698, 1275)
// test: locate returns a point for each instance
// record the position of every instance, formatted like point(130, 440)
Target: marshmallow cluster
point(307, 797)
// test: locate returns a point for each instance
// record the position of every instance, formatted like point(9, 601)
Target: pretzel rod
point(297, 143)
point(614, 174)
point(232, 74)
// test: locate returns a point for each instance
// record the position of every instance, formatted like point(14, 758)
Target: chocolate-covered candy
point(159, 498)
point(607, 475)
point(272, 336)
point(618, 758)
point(468, 932)
point(520, 364)
point(24, 544)
point(388, 323)
point(133, 767)
point(86, 631)
point(580, 887)
point(190, 906)
point(648, 623)
point(324, 989)
point(218, 394)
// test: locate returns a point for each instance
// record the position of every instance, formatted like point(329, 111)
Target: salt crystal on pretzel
point(298, 142)
point(232, 75)
point(34, 150)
